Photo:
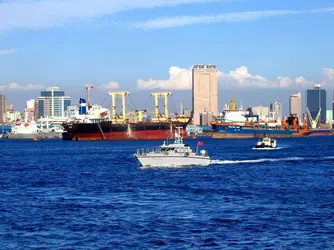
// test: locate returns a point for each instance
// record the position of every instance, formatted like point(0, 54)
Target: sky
point(265, 50)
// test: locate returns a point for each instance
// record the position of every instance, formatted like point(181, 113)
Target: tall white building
point(205, 91)
point(29, 111)
point(276, 111)
point(295, 105)
point(53, 103)
point(262, 112)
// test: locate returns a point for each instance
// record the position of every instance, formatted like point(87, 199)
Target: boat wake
point(268, 148)
point(263, 160)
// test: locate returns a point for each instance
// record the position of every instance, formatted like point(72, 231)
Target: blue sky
point(265, 50)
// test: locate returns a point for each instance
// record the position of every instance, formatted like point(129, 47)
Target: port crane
point(157, 95)
point(313, 123)
point(115, 95)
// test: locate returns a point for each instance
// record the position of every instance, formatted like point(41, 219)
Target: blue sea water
point(93, 195)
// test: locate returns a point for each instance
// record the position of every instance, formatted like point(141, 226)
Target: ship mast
point(114, 96)
point(158, 95)
point(88, 88)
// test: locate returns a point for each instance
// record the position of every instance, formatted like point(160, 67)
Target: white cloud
point(32, 14)
point(247, 16)
point(240, 77)
point(178, 79)
point(21, 87)
point(110, 85)
point(181, 79)
point(329, 73)
point(7, 51)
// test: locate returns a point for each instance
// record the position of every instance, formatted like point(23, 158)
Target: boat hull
point(109, 131)
point(34, 135)
point(244, 132)
point(322, 132)
point(166, 161)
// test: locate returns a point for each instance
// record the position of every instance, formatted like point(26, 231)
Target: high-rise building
point(205, 118)
point(262, 112)
point(205, 91)
point(295, 105)
point(53, 103)
point(29, 112)
point(316, 100)
point(276, 111)
point(2, 108)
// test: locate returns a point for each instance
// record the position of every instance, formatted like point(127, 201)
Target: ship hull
point(243, 132)
point(39, 135)
point(109, 131)
point(322, 132)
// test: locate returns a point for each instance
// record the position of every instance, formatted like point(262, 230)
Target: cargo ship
point(237, 123)
point(120, 127)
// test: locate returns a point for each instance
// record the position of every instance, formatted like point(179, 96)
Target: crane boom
point(318, 116)
point(313, 123)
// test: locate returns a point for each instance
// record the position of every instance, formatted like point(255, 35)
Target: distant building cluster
point(54, 104)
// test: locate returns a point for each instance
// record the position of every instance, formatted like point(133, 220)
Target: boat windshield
point(164, 149)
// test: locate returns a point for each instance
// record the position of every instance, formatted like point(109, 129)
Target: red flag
point(200, 143)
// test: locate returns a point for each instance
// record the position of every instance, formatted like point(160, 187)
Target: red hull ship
point(129, 131)
point(120, 128)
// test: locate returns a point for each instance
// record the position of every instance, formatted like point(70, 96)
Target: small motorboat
point(266, 143)
point(174, 154)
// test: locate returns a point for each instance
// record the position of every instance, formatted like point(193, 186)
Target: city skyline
point(267, 48)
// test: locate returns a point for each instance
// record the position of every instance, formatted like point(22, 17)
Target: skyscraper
point(2, 108)
point(53, 103)
point(29, 112)
point(205, 91)
point(295, 104)
point(316, 100)
point(276, 111)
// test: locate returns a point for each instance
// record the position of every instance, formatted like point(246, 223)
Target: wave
point(263, 160)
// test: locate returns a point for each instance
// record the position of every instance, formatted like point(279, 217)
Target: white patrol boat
point(266, 143)
point(175, 154)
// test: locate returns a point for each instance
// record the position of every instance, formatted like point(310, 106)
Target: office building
point(276, 111)
point(53, 103)
point(316, 100)
point(205, 91)
point(262, 112)
point(295, 105)
point(205, 118)
point(2, 108)
point(12, 116)
point(29, 111)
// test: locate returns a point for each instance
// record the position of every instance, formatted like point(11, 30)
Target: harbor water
point(93, 195)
